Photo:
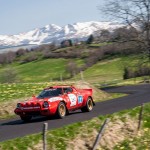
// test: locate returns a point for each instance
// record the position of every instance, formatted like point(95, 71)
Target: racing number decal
point(73, 99)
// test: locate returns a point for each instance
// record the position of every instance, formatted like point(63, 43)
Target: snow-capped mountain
point(52, 32)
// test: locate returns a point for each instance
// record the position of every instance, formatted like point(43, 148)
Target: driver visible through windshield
point(50, 93)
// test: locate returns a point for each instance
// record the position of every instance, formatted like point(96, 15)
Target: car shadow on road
point(37, 119)
point(34, 120)
point(14, 122)
point(74, 112)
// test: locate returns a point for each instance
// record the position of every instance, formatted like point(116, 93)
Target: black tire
point(89, 105)
point(61, 110)
point(26, 118)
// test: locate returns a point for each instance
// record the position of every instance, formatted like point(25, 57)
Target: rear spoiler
point(88, 91)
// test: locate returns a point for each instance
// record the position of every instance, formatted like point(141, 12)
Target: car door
point(72, 97)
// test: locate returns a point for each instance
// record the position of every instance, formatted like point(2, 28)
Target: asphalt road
point(139, 94)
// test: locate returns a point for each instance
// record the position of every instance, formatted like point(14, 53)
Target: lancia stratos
point(56, 100)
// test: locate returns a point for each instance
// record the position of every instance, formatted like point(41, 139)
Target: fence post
point(61, 78)
point(45, 127)
point(140, 117)
point(82, 77)
point(98, 138)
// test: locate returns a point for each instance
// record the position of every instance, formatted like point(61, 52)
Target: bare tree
point(8, 57)
point(102, 35)
point(136, 14)
point(20, 52)
point(9, 75)
point(124, 34)
point(72, 68)
point(2, 58)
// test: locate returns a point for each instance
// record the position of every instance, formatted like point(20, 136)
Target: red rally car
point(56, 100)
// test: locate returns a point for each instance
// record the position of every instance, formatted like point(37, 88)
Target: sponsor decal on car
point(80, 99)
point(55, 99)
point(73, 99)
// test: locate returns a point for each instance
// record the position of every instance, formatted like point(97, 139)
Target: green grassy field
point(109, 70)
point(40, 71)
point(52, 69)
point(19, 90)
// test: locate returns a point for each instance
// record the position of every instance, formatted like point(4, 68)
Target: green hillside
point(46, 70)
point(109, 70)
point(40, 71)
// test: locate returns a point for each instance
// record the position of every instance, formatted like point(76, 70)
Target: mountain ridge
point(54, 33)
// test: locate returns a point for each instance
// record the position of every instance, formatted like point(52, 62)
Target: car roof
point(59, 86)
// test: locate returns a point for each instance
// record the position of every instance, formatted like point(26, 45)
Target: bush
point(128, 73)
point(9, 75)
point(140, 71)
point(6, 58)
point(32, 56)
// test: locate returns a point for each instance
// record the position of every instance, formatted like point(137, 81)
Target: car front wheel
point(61, 111)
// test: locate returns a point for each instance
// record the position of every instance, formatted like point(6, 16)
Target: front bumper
point(33, 112)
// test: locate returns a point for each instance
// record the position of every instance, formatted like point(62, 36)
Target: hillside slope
point(109, 70)
point(56, 69)
point(39, 71)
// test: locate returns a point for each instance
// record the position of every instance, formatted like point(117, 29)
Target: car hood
point(35, 100)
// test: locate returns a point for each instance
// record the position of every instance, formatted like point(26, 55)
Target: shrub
point(9, 75)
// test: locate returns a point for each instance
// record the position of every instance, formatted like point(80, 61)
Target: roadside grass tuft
point(21, 143)
point(60, 136)
point(146, 116)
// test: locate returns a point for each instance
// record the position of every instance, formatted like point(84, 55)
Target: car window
point(50, 93)
point(66, 90)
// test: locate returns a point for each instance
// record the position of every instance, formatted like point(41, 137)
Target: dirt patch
point(38, 146)
point(110, 61)
point(7, 108)
point(116, 132)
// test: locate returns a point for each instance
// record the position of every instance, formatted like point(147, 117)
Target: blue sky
point(23, 15)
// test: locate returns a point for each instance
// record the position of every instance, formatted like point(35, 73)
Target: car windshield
point(50, 93)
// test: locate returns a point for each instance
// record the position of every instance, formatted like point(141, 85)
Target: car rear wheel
point(61, 111)
point(89, 105)
point(26, 118)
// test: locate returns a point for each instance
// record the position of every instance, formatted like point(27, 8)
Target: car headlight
point(45, 104)
point(18, 105)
